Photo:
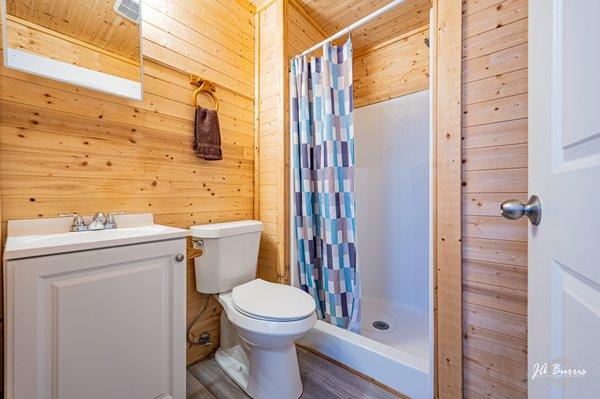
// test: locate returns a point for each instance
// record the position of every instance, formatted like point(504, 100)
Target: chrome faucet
point(98, 222)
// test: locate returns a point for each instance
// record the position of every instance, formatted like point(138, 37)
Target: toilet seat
point(261, 326)
point(267, 301)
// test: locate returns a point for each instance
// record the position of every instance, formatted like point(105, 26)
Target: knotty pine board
point(494, 168)
point(64, 148)
point(392, 69)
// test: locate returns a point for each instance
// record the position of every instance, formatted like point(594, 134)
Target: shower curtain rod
point(355, 25)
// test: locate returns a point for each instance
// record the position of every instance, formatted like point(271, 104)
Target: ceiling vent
point(129, 9)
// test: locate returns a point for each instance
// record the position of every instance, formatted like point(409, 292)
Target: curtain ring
point(209, 91)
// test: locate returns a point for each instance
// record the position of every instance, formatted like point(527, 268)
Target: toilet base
point(268, 373)
point(235, 364)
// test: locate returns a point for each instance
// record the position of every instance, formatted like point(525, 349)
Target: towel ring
point(208, 88)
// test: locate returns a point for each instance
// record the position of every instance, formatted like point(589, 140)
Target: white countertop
point(38, 237)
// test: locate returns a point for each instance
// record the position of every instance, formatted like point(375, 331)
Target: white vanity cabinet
point(105, 322)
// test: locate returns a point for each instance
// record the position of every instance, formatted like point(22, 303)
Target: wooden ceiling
point(334, 15)
point(91, 21)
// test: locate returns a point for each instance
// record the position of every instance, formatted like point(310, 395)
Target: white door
point(107, 323)
point(564, 171)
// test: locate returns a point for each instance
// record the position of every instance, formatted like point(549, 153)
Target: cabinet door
point(106, 323)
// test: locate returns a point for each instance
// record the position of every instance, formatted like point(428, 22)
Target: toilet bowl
point(261, 320)
point(263, 360)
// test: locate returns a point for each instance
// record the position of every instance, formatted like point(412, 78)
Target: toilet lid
point(269, 301)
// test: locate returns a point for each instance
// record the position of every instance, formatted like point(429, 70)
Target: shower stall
point(392, 210)
point(393, 214)
point(393, 238)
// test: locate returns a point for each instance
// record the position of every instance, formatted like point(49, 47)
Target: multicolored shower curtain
point(323, 155)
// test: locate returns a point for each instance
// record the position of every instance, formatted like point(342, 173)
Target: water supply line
point(204, 338)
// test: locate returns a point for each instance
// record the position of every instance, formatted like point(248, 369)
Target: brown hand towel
point(207, 137)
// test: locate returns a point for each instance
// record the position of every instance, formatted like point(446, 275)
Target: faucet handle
point(78, 222)
point(97, 222)
point(110, 221)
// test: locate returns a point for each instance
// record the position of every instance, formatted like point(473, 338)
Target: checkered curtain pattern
point(323, 158)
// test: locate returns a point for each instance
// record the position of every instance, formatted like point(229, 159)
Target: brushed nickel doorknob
point(179, 257)
point(513, 209)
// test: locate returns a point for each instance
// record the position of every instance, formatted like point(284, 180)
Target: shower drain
point(381, 325)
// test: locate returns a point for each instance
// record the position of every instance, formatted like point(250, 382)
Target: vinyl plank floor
point(321, 380)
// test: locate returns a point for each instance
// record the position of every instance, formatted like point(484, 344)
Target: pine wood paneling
point(334, 16)
point(503, 369)
point(503, 61)
point(489, 42)
point(483, 204)
point(302, 32)
point(494, 227)
point(476, 381)
point(506, 299)
point(284, 31)
point(495, 274)
point(487, 19)
point(495, 87)
point(502, 157)
point(502, 322)
point(495, 181)
point(65, 148)
point(92, 22)
point(495, 343)
point(495, 134)
point(483, 366)
point(271, 147)
point(447, 197)
point(496, 251)
point(494, 169)
point(497, 110)
point(392, 69)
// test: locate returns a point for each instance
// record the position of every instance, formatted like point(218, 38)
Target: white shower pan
point(393, 214)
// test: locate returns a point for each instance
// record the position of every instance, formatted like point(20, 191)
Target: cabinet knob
point(179, 257)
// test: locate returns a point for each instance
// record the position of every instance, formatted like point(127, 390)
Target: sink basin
point(37, 237)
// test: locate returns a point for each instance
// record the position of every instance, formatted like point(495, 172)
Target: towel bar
point(204, 86)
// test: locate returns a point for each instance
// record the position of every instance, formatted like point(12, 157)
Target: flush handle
point(513, 209)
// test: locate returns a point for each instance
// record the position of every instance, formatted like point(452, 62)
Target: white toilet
point(262, 320)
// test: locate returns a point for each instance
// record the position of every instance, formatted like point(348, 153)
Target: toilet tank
point(230, 254)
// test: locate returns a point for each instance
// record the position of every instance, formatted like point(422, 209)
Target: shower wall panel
point(392, 186)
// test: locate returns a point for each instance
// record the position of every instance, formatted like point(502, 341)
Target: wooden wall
point(494, 123)
point(66, 149)
point(270, 140)
point(446, 208)
point(303, 31)
point(334, 16)
point(391, 69)
point(284, 30)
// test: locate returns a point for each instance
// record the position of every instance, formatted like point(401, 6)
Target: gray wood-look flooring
point(321, 380)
